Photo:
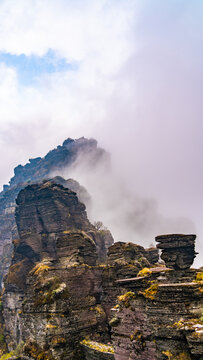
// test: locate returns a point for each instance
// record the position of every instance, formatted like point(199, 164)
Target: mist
point(130, 217)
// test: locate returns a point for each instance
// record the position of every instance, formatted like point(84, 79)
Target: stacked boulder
point(178, 250)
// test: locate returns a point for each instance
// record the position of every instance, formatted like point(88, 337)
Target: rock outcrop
point(57, 296)
point(37, 170)
point(129, 253)
point(53, 289)
point(178, 250)
point(60, 302)
point(159, 314)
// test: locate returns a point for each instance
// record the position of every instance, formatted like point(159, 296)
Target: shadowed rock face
point(178, 250)
point(53, 224)
point(49, 208)
point(48, 216)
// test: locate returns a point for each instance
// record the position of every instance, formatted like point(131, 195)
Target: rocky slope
point(57, 298)
point(67, 296)
point(160, 314)
point(37, 170)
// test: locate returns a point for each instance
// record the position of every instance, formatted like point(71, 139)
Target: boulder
point(178, 250)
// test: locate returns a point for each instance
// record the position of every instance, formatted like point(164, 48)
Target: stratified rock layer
point(56, 293)
point(159, 316)
point(122, 253)
point(178, 250)
point(53, 288)
point(58, 299)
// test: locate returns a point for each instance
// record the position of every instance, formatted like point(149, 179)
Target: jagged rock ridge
point(37, 170)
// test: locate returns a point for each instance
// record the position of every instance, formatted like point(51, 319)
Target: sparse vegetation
point(125, 298)
point(98, 346)
point(49, 290)
point(16, 352)
point(137, 336)
point(181, 356)
point(50, 326)
point(150, 292)
point(199, 277)
point(114, 321)
point(32, 349)
point(58, 341)
point(98, 309)
point(40, 269)
point(168, 354)
point(144, 272)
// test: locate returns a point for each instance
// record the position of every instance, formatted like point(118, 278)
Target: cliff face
point(159, 315)
point(48, 217)
point(59, 302)
point(35, 171)
point(53, 288)
point(56, 293)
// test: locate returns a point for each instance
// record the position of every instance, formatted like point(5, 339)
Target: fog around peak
point(129, 216)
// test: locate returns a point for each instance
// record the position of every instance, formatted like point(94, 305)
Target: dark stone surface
point(57, 294)
point(178, 250)
point(53, 288)
point(159, 315)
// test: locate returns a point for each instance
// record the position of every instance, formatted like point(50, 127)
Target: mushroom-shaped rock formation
point(178, 250)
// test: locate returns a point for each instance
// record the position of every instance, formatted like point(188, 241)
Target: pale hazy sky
point(127, 72)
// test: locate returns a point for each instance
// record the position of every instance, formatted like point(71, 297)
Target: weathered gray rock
point(53, 288)
point(159, 315)
point(178, 250)
point(97, 353)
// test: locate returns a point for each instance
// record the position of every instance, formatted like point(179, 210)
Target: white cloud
point(79, 30)
point(137, 89)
